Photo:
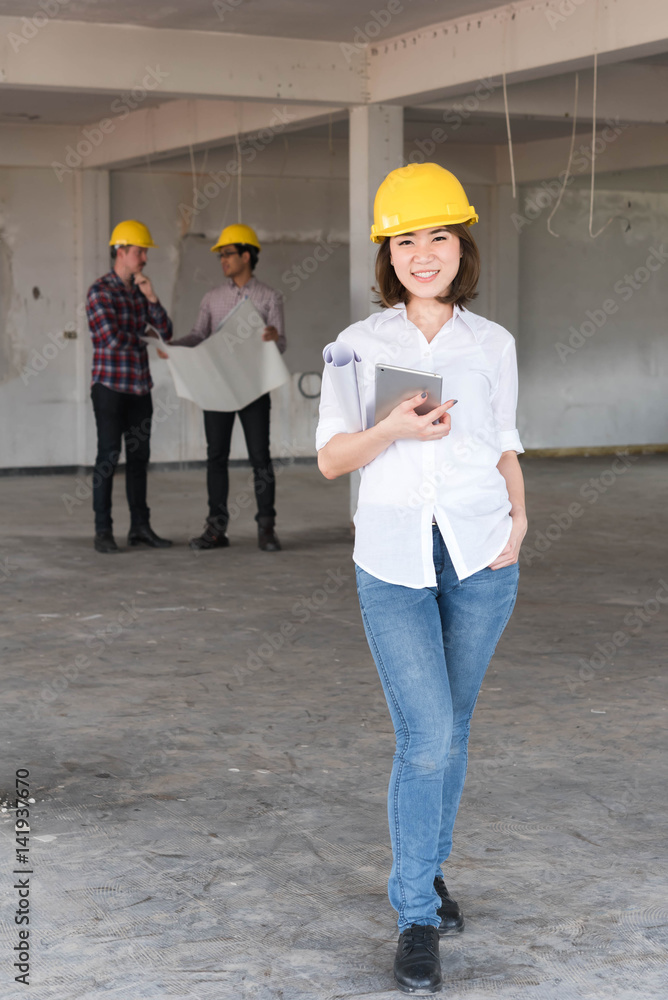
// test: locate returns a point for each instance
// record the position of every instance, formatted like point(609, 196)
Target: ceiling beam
point(176, 126)
point(633, 147)
point(628, 92)
point(527, 39)
point(118, 59)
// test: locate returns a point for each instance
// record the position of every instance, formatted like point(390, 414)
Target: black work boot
point(104, 542)
point(266, 536)
point(417, 967)
point(143, 534)
point(213, 537)
point(452, 918)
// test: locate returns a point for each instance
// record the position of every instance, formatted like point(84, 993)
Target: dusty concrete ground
point(209, 816)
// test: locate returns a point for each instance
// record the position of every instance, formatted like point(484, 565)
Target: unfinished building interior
point(206, 739)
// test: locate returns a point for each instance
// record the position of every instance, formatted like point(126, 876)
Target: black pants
point(121, 415)
point(218, 428)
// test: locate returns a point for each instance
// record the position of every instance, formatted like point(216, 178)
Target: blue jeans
point(432, 647)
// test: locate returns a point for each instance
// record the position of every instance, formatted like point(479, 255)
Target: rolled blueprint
point(344, 367)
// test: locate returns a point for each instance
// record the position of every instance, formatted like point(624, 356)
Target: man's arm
point(275, 322)
point(103, 322)
point(201, 329)
point(157, 315)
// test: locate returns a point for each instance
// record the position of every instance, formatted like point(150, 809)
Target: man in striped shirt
point(119, 306)
point(238, 248)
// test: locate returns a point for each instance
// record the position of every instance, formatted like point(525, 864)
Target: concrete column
point(91, 260)
point(375, 147)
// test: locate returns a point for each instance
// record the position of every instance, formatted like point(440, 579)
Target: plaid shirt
point(217, 303)
point(117, 317)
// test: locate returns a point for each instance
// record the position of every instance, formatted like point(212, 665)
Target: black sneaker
point(452, 918)
point(104, 542)
point(417, 967)
point(211, 538)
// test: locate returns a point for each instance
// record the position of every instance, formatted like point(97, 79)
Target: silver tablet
point(395, 385)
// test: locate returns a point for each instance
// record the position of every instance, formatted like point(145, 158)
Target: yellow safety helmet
point(236, 233)
point(419, 196)
point(131, 233)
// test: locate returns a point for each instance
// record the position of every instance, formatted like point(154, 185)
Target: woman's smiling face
point(426, 261)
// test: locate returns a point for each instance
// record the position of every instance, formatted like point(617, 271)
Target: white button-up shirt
point(455, 480)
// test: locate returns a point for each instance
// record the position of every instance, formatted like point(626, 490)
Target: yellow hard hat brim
point(378, 234)
point(126, 243)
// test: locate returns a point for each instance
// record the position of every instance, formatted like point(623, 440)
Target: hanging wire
point(238, 145)
point(505, 104)
point(510, 138)
point(593, 159)
point(570, 158)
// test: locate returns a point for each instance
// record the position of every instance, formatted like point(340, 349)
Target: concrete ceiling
point(52, 107)
point(328, 20)
point(488, 129)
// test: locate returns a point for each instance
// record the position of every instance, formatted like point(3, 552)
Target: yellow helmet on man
point(419, 196)
point(236, 233)
point(131, 233)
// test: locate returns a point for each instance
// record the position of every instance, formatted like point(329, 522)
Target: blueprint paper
point(344, 368)
point(232, 367)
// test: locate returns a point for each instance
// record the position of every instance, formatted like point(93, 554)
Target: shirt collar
point(244, 288)
point(457, 313)
point(116, 280)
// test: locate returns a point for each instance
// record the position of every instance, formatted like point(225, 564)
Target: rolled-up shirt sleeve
point(504, 401)
point(159, 319)
point(331, 420)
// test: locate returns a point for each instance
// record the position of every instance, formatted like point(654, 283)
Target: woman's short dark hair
point(253, 251)
point(390, 291)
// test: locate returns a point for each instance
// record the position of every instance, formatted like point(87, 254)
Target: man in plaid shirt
point(119, 306)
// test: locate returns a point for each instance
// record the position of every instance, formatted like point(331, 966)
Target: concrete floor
point(210, 791)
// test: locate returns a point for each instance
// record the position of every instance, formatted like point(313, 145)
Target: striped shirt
point(117, 317)
point(219, 302)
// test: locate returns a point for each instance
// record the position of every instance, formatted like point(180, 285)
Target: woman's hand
point(404, 422)
point(511, 553)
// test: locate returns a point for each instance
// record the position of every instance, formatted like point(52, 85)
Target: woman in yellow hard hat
point(439, 524)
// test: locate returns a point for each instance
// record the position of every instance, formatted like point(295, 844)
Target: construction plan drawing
point(232, 367)
point(344, 367)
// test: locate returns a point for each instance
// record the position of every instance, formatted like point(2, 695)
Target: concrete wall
point(608, 389)
point(592, 342)
point(38, 296)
